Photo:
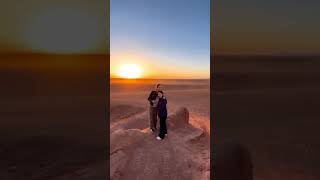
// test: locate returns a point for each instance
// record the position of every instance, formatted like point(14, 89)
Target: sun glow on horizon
point(130, 71)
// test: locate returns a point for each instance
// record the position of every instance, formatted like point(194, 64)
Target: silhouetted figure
point(153, 111)
point(163, 114)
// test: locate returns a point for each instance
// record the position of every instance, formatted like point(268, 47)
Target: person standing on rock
point(162, 113)
point(153, 110)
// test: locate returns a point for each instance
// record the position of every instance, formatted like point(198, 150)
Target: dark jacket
point(162, 107)
point(153, 95)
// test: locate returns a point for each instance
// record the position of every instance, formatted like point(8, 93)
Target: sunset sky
point(54, 26)
point(167, 39)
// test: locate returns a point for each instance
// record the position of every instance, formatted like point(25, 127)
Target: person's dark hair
point(158, 85)
point(161, 92)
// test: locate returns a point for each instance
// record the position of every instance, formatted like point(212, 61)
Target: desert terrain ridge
point(270, 105)
point(134, 151)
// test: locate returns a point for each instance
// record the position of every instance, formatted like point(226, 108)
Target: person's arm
point(149, 98)
point(165, 99)
point(157, 99)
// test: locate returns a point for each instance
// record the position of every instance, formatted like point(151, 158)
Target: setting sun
point(130, 71)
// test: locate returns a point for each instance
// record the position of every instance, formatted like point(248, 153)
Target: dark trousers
point(163, 127)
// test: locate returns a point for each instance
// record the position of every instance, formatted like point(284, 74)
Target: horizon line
point(108, 54)
point(115, 78)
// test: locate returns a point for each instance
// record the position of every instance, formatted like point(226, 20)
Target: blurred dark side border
point(228, 161)
point(212, 91)
point(54, 114)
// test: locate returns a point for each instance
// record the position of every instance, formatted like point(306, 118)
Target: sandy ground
point(134, 151)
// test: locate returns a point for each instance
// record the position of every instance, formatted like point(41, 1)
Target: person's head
point(160, 94)
point(158, 87)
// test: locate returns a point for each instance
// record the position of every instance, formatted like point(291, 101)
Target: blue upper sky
point(168, 32)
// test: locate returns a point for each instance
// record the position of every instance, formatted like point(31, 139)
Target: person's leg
point(161, 133)
point(165, 126)
point(151, 117)
point(151, 110)
point(155, 118)
point(160, 130)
